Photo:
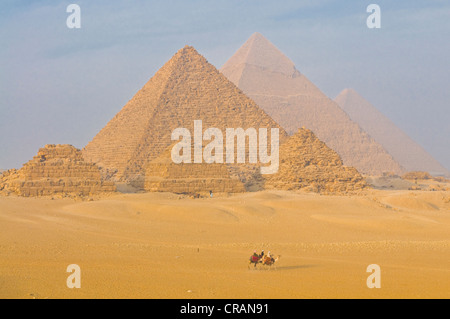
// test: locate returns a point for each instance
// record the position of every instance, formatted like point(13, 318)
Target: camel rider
point(269, 256)
point(262, 254)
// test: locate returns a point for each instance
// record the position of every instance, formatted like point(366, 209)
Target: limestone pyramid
point(163, 175)
point(185, 89)
point(56, 169)
point(271, 79)
point(404, 150)
point(308, 163)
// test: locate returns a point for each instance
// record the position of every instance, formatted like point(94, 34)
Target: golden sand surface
point(160, 245)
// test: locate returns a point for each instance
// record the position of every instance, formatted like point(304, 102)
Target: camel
point(255, 260)
point(270, 261)
point(264, 260)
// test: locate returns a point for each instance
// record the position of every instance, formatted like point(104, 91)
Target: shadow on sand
point(276, 268)
point(295, 267)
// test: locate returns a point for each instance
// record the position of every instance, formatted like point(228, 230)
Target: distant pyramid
point(308, 163)
point(267, 76)
point(56, 169)
point(404, 150)
point(185, 89)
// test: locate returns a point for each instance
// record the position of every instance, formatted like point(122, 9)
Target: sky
point(61, 85)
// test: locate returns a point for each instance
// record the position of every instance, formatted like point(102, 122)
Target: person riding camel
point(269, 257)
point(255, 258)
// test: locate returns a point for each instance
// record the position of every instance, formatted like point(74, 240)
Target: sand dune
point(169, 246)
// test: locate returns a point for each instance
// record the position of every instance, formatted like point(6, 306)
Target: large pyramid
point(185, 89)
point(407, 152)
point(308, 163)
point(270, 78)
point(56, 169)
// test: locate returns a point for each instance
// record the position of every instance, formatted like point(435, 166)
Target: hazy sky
point(61, 85)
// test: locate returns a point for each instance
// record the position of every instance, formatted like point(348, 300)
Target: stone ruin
point(55, 170)
point(309, 164)
point(163, 175)
point(419, 175)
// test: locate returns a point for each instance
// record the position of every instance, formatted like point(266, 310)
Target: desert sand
point(161, 245)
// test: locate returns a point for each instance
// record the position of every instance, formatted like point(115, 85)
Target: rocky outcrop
point(417, 175)
point(306, 163)
point(56, 169)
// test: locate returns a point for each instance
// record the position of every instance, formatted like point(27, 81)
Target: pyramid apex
point(349, 91)
point(345, 94)
point(187, 55)
point(187, 49)
point(257, 35)
point(260, 52)
point(261, 40)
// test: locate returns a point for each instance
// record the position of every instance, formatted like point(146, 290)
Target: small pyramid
point(308, 163)
point(268, 77)
point(56, 169)
point(185, 89)
point(404, 150)
point(163, 175)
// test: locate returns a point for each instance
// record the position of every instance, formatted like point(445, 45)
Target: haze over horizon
point(61, 86)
